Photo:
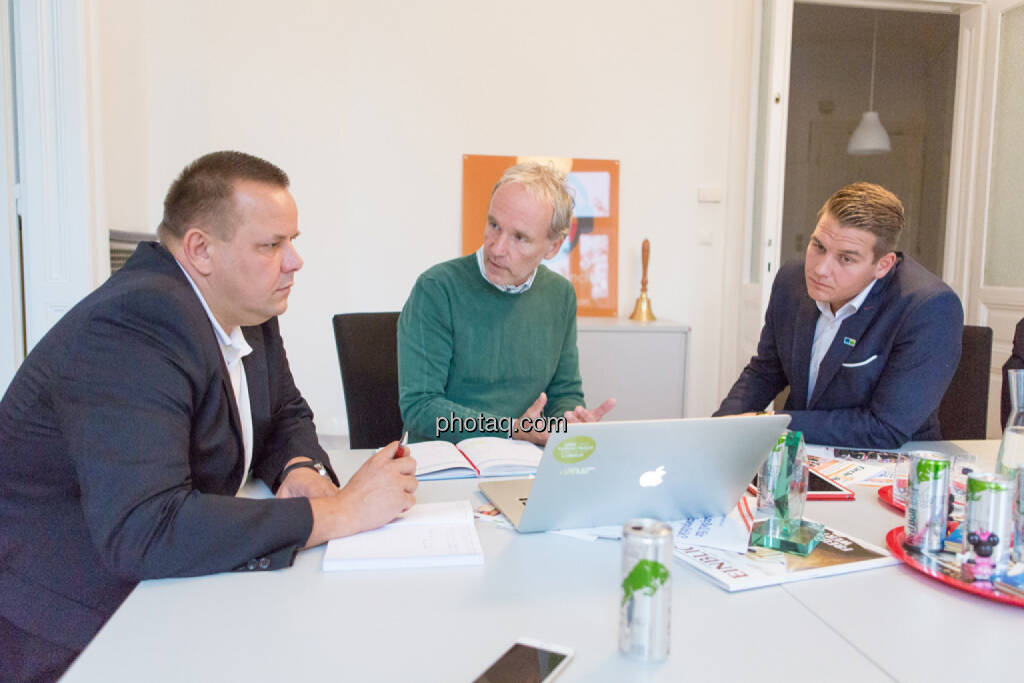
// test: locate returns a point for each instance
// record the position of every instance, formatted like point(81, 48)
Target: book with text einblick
point(838, 553)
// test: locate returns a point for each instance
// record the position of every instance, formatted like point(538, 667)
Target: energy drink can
point(646, 605)
point(987, 525)
point(928, 476)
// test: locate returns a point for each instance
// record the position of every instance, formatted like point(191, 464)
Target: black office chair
point(1014, 362)
point(963, 413)
point(368, 355)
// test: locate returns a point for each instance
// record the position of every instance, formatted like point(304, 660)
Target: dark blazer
point(882, 391)
point(1014, 362)
point(122, 451)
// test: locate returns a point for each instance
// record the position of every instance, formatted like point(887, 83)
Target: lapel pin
point(849, 342)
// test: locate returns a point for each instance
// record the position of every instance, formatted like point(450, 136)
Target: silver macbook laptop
point(601, 473)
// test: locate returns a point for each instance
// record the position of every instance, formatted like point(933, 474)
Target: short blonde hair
point(544, 181)
point(868, 207)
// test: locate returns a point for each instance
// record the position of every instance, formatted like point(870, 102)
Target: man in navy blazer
point(866, 338)
point(130, 428)
point(1014, 362)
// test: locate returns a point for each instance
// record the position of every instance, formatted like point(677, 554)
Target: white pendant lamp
point(870, 136)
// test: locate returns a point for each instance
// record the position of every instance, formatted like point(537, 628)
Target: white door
point(995, 295)
point(769, 113)
point(770, 105)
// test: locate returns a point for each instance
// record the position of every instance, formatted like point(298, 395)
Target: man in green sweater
point(491, 336)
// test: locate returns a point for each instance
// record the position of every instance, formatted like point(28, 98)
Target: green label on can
point(646, 576)
point(975, 487)
point(929, 470)
point(575, 449)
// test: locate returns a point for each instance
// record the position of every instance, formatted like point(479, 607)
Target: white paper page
point(853, 472)
point(489, 451)
point(611, 532)
point(432, 456)
point(406, 541)
point(428, 534)
point(452, 512)
point(731, 532)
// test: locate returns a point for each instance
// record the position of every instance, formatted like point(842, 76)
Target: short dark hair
point(869, 207)
point(204, 190)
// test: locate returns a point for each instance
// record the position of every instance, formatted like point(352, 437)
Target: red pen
point(402, 445)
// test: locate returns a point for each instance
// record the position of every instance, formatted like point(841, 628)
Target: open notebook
point(426, 535)
point(481, 456)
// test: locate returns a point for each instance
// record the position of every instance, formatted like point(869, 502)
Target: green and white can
point(645, 608)
point(924, 525)
point(988, 525)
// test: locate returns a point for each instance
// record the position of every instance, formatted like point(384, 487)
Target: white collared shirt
point(233, 348)
point(509, 289)
point(826, 329)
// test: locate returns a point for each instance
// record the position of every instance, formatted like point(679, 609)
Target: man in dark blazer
point(131, 426)
point(866, 339)
point(1014, 362)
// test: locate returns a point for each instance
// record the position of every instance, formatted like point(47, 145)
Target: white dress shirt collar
point(825, 331)
point(233, 348)
point(509, 289)
point(847, 309)
point(235, 340)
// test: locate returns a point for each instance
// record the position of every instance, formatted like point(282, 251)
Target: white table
point(448, 624)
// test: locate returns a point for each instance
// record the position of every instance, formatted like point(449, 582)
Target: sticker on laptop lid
point(574, 449)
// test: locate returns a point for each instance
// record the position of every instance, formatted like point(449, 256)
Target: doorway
point(914, 88)
point(944, 202)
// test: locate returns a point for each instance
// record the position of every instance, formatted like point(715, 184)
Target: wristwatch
point(311, 464)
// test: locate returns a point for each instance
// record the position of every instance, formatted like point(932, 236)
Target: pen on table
point(402, 445)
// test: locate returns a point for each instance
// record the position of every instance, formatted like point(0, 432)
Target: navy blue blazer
point(881, 381)
point(1014, 362)
point(122, 451)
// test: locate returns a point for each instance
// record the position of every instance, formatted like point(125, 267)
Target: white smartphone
point(528, 661)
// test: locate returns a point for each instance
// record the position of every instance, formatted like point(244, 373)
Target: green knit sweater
point(467, 349)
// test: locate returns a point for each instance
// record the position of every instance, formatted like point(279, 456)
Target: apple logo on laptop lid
point(653, 477)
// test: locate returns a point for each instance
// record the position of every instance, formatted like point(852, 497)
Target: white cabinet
point(641, 365)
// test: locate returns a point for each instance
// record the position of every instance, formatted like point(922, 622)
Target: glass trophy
point(782, 491)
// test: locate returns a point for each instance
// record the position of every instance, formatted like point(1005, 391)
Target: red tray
point(942, 571)
point(885, 493)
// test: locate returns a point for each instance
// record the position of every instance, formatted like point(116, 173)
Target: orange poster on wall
point(589, 256)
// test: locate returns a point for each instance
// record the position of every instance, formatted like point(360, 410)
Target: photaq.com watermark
point(492, 423)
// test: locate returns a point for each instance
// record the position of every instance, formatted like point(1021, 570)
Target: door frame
point(998, 307)
point(61, 245)
point(12, 344)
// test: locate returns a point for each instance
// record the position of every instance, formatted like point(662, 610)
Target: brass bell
point(642, 310)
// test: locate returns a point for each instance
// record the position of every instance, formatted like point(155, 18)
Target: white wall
point(369, 107)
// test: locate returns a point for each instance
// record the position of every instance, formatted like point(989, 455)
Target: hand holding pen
point(403, 446)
